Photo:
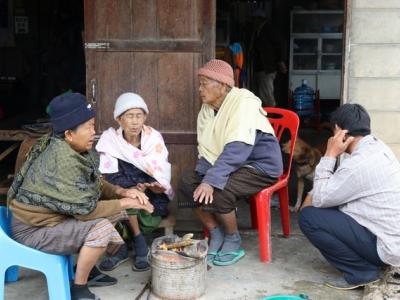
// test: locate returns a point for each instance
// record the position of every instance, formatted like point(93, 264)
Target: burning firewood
point(176, 245)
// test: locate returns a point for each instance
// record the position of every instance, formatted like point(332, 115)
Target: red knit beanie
point(218, 70)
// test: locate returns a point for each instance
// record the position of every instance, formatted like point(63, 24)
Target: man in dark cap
point(352, 214)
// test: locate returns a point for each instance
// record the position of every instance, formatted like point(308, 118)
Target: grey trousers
point(265, 85)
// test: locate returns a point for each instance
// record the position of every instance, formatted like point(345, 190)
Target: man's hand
point(204, 192)
point(135, 194)
point(338, 143)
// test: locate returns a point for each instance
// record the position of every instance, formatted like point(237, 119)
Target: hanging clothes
point(238, 59)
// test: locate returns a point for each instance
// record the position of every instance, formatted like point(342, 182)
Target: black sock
point(78, 286)
point(79, 291)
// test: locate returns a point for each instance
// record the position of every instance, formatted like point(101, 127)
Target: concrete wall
point(372, 64)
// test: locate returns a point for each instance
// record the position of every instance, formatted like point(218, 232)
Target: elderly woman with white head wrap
point(135, 155)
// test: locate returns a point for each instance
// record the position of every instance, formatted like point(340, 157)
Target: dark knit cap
point(68, 111)
point(352, 117)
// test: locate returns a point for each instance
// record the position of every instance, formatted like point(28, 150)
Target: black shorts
point(245, 182)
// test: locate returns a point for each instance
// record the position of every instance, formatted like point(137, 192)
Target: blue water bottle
point(303, 97)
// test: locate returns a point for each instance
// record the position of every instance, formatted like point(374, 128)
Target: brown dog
point(306, 158)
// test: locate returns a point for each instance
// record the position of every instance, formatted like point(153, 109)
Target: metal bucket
point(174, 276)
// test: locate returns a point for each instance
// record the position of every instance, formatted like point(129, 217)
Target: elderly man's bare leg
point(229, 222)
point(216, 232)
point(208, 219)
point(231, 250)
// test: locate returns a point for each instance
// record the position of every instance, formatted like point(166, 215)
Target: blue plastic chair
point(58, 269)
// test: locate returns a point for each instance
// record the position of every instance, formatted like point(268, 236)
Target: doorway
point(41, 56)
point(303, 41)
point(308, 37)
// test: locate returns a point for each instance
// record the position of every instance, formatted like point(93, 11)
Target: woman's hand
point(155, 187)
point(141, 187)
point(135, 194)
point(135, 203)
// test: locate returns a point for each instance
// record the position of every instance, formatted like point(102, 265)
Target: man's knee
point(224, 201)
point(306, 218)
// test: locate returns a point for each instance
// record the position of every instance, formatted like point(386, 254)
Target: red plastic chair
point(260, 203)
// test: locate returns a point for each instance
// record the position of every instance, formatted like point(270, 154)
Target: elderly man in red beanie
point(238, 156)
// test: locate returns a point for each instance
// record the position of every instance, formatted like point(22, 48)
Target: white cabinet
point(316, 51)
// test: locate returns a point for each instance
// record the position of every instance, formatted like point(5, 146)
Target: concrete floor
point(296, 268)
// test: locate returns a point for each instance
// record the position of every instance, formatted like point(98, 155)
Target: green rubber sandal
point(211, 255)
point(236, 255)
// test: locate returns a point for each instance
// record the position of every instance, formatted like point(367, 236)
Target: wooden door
point(153, 48)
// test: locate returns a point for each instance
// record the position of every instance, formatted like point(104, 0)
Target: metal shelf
point(321, 51)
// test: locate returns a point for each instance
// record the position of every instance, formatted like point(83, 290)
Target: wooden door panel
point(177, 92)
point(112, 19)
point(114, 72)
point(177, 19)
point(153, 48)
point(124, 72)
point(182, 158)
point(122, 19)
point(174, 97)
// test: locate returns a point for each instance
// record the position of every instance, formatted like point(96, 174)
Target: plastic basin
point(286, 297)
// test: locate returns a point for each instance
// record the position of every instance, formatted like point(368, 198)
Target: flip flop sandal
point(211, 256)
point(236, 255)
point(102, 280)
point(140, 264)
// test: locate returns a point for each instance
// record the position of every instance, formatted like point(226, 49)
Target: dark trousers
point(241, 183)
point(129, 176)
point(348, 246)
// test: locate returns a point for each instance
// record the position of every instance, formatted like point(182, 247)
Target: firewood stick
point(179, 244)
point(146, 286)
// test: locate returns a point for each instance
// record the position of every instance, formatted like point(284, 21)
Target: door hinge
point(100, 46)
